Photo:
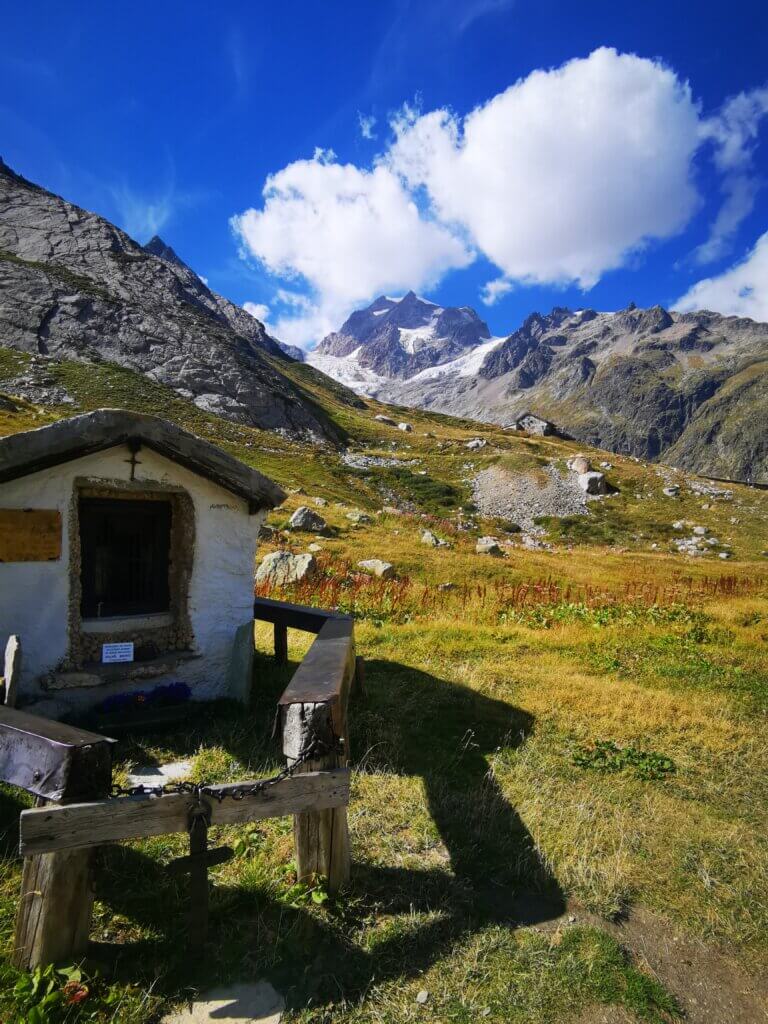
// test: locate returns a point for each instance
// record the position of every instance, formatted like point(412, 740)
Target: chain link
point(315, 748)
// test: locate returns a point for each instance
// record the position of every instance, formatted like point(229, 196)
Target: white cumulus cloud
point(562, 175)
point(740, 291)
point(257, 309)
point(347, 232)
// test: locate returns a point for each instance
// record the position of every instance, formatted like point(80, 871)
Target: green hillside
point(559, 806)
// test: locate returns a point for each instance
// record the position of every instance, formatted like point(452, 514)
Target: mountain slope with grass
point(73, 286)
point(559, 764)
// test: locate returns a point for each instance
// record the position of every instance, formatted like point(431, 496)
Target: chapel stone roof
point(68, 439)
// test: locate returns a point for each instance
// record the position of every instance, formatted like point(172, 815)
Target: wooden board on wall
point(30, 535)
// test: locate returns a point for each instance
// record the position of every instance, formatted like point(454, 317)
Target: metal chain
point(316, 748)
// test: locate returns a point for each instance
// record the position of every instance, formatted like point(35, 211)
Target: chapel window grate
point(125, 549)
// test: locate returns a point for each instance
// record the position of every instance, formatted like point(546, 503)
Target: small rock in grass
point(305, 519)
point(672, 491)
point(314, 546)
point(579, 464)
point(724, 554)
point(593, 482)
point(376, 567)
point(359, 517)
point(387, 420)
point(700, 531)
point(159, 775)
point(405, 427)
point(429, 538)
point(606, 465)
point(678, 525)
point(320, 502)
point(446, 586)
point(422, 997)
point(489, 546)
point(245, 1002)
point(476, 443)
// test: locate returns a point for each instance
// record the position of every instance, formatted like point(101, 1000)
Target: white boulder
point(376, 567)
point(281, 567)
point(488, 546)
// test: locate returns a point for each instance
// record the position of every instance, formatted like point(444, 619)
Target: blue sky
point(504, 154)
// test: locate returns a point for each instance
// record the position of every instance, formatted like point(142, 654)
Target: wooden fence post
point(321, 838)
point(54, 916)
point(60, 764)
point(281, 644)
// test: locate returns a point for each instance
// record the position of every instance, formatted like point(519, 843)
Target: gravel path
point(521, 497)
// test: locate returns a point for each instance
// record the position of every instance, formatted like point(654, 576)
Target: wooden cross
point(196, 865)
point(133, 447)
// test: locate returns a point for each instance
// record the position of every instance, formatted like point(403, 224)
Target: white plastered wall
point(34, 596)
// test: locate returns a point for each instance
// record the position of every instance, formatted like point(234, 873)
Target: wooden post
point(281, 644)
point(321, 838)
point(358, 680)
point(54, 916)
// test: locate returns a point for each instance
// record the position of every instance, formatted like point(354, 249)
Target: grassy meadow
point(561, 740)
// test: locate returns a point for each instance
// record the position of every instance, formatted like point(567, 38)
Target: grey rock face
point(73, 286)
point(304, 518)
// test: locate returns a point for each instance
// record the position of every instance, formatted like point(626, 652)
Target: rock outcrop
point(74, 286)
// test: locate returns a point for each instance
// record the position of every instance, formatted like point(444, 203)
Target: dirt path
point(710, 987)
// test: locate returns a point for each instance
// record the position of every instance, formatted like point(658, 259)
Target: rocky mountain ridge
point(393, 339)
point(74, 286)
point(686, 388)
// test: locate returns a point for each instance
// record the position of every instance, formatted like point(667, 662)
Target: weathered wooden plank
point(30, 535)
point(328, 667)
point(133, 817)
point(294, 616)
point(53, 760)
point(54, 915)
point(12, 669)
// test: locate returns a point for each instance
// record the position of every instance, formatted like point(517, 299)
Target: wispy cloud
point(238, 62)
point(367, 124)
point(141, 214)
point(734, 130)
point(32, 68)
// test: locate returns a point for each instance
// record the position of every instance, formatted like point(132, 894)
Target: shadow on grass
point(392, 922)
